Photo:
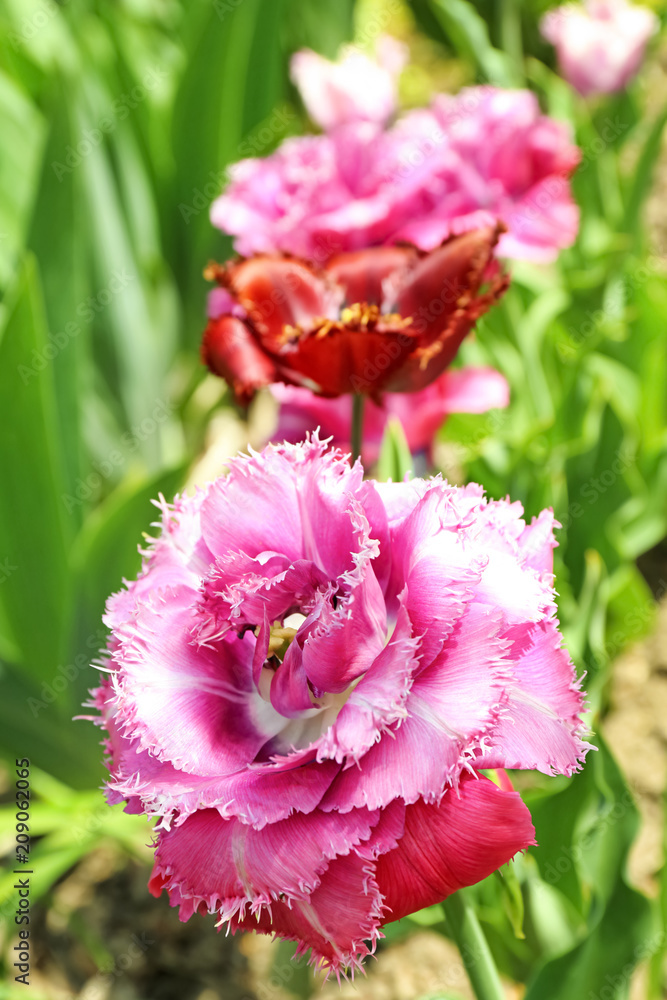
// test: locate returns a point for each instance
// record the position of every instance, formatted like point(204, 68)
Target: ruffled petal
point(341, 919)
point(178, 556)
point(451, 709)
point(377, 702)
point(227, 866)
point(442, 295)
point(304, 483)
point(346, 640)
point(541, 727)
point(190, 705)
point(255, 795)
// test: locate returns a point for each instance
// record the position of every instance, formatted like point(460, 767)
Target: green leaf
point(608, 956)
point(36, 720)
point(470, 35)
point(512, 898)
point(106, 552)
point(34, 539)
point(22, 142)
point(58, 216)
point(395, 460)
point(227, 82)
point(643, 172)
point(585, 833)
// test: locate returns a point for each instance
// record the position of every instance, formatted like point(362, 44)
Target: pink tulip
point(355, 88)
point(601, 43)
point(421, 414)
point(483, 156)
point(306, 681)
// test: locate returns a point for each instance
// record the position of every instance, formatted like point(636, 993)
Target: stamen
point(360, 317)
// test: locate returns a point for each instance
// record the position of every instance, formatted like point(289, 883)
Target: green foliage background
point(118, 120)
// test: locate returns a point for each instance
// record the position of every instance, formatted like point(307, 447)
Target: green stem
point(357, 426)
point(465, 929)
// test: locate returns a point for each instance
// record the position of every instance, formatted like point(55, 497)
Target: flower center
point(279, 640)
point(359, 316)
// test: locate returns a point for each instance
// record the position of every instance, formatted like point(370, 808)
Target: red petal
point(346, 360)
point(457, 843)
point(277, 291)
point(230, 349)
point(441, 294)
point(362, 272)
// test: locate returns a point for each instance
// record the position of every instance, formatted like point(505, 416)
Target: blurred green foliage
point(118, 120)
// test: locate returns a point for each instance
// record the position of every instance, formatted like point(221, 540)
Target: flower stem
point(465, 929)
point(357, 426)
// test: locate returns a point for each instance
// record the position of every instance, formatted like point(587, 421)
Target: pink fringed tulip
point(353, 89)
point(421, 414)
point(600, 44)
point(306, 680)
point(484, 156)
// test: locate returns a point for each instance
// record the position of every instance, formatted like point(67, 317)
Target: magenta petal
point(346, 640)
point(177, 557)
point(451, 709)
point(228, 866)
point(377, 702)
point(474, 390)
point(541, 727)
point(186, 704)
point(345, 911)
point(456, 843)
point(355, 88)
point(255, 795)
point(537, 543)
point(290, 693)
point(306, 486)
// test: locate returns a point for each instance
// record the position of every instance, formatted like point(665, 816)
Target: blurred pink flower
point(601, 43)
point(355, 88)
point(468, 161)
point(421, 414)
point(306, 680)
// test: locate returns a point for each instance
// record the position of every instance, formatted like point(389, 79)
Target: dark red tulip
point(375, 320)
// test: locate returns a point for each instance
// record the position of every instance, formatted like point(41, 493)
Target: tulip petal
point(363, 274)
point(474, 390)
point(307, 485)
point(255, 795)
point(187, 704)
point(441, 294)
point(344, 912)
point(377, 702)
point(453, 844)
point(452, 707)
point(349, 360)
point(229, 349)
point(541, 727)
point(277, 292)
point(229, 866)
